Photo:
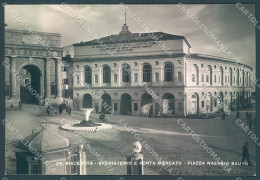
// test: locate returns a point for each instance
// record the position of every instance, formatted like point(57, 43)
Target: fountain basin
point(86, 124)
point(78, 127)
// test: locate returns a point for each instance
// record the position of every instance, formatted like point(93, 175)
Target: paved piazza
point(164, 135)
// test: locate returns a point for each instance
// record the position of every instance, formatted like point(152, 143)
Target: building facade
point(33, 62)
point(142, 73)
point(127, 73)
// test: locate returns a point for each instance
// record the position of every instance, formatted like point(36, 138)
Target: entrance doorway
point(31, 89)
point(87, 101)
point(126, 104)
point(168, 104)
point(195, 104)
point(146, 104)
point(106, 104)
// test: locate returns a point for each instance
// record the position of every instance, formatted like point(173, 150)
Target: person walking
point(64, 106)
point(246, 154)
point(223, 116)
point(60, 109)
point(246, 115)
point(96, 108)
point(48, 110)
point(150, 112)
point(69, 110)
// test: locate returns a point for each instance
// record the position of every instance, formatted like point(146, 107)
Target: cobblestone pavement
point(163, 135)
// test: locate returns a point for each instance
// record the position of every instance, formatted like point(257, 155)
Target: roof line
point(28, 32)
point(215, 58)
point(94, 41)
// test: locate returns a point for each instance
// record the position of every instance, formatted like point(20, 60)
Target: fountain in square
point(86, 124)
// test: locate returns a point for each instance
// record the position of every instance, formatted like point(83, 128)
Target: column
point(58, 78)
point(13, 78)
point(184, 105)
point(47, 78)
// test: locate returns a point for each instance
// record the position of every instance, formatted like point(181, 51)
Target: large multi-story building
point(138, 73)
point(127, 73)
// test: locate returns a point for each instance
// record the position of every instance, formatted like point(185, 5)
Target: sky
point(225, 21)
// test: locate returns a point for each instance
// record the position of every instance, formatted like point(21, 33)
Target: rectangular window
point(66, 81)
point(88, 75)
point(193, 78)
point(225, 79)
point(135, 106)
point(126, 75)
point(202, 104)
point(225, 102)
point(179, 107)
point(207, 78)
point(168, 72)
point(147, 73)
point(77, 79)
point(106, 74)
point(7, 91)
point(115, 106)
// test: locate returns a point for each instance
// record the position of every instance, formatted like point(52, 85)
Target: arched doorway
point(106, 104)
point(210, 106)
point(30, 88)
point(237, 101)
point(87, 101)
point(230, 100)
point(221, 100)
point(243, 99)
point(126, 104)
point(146, 103)
point(195, 104)
point(168, 104)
